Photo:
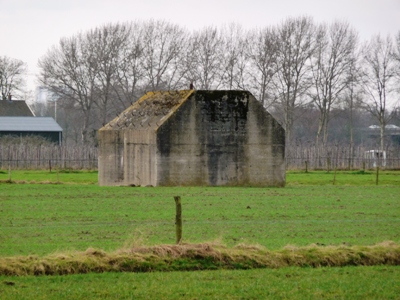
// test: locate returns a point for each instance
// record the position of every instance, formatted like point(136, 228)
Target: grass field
point(38, 219)
point(379, 282)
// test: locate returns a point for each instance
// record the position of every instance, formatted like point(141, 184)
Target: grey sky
point(28, 28)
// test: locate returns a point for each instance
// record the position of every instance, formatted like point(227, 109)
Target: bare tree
point(396, 55)
point(12, 77)
point(296, 44)
point(69, 72)
point(234, 58)
point(131, 71)
point(262, 57)
point(204, 59)
point(352, 99)
point(331, 64)
point(163, 46)
point(104, 47)
point(378, 80)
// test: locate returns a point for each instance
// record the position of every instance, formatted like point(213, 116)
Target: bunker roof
point(150, 111)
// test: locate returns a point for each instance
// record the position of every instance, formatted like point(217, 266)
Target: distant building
point(18, 120)
point(44, 127)
point(15, 108)
point(392, 133)
point(375, 158)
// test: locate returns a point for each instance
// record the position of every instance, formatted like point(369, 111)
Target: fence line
point(20, 156)
point(291, 164)
point(298, 157)
point(31, 164)
point(340, 164)
point(340, 157)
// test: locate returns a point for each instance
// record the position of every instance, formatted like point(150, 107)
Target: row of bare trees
point(293, 67)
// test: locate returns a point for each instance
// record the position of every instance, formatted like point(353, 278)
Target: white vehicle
point(375, 158)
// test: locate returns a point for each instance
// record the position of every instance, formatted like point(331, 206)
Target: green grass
point(357, 177)
point(379, 282)
point(40, 219)
point(45, 176)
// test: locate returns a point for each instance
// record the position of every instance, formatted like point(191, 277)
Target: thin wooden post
point(178, 219)
point(328, 163)
point(9, 172)
point(334, 177)
point(306, 166)
point(377, 175)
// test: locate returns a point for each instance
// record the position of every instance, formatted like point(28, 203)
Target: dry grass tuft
point(203, 256)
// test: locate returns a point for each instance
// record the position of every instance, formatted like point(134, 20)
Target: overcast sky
point(28, 28)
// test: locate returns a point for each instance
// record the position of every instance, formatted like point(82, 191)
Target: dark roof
point(29, 124)
point(14, 108)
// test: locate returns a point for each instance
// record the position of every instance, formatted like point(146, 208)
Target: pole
point(178, 219)
point(9, 172)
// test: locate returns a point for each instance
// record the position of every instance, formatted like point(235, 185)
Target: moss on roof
point(150, 111)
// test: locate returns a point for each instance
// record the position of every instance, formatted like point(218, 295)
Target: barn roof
point(29, 124)
point(15, 108)
point(150, 111)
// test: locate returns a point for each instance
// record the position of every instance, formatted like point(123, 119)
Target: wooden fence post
point(328, 163)
point(178, 219)
point(334, 177)
point(377, 175)
point(9, 172)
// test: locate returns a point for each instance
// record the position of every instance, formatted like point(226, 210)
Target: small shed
point(193, 138)
point(31, 126)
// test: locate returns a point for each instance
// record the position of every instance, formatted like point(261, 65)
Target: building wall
point(213, 138)
point(181, 156)
point(111, 160)
point(139, 158)
point(220, 138)
point(265, 147)
point(127, 157)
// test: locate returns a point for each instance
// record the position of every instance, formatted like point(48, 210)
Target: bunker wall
point(219, 138)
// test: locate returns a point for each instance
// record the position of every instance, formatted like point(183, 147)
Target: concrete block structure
point(193, 138)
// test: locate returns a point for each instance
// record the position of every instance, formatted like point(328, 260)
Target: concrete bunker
point(193, 138)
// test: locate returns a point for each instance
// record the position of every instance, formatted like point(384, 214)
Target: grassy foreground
point(39, 219)
point(380, 282)
point(46, 227)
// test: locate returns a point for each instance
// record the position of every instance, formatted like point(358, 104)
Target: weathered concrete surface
point(193, 138)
